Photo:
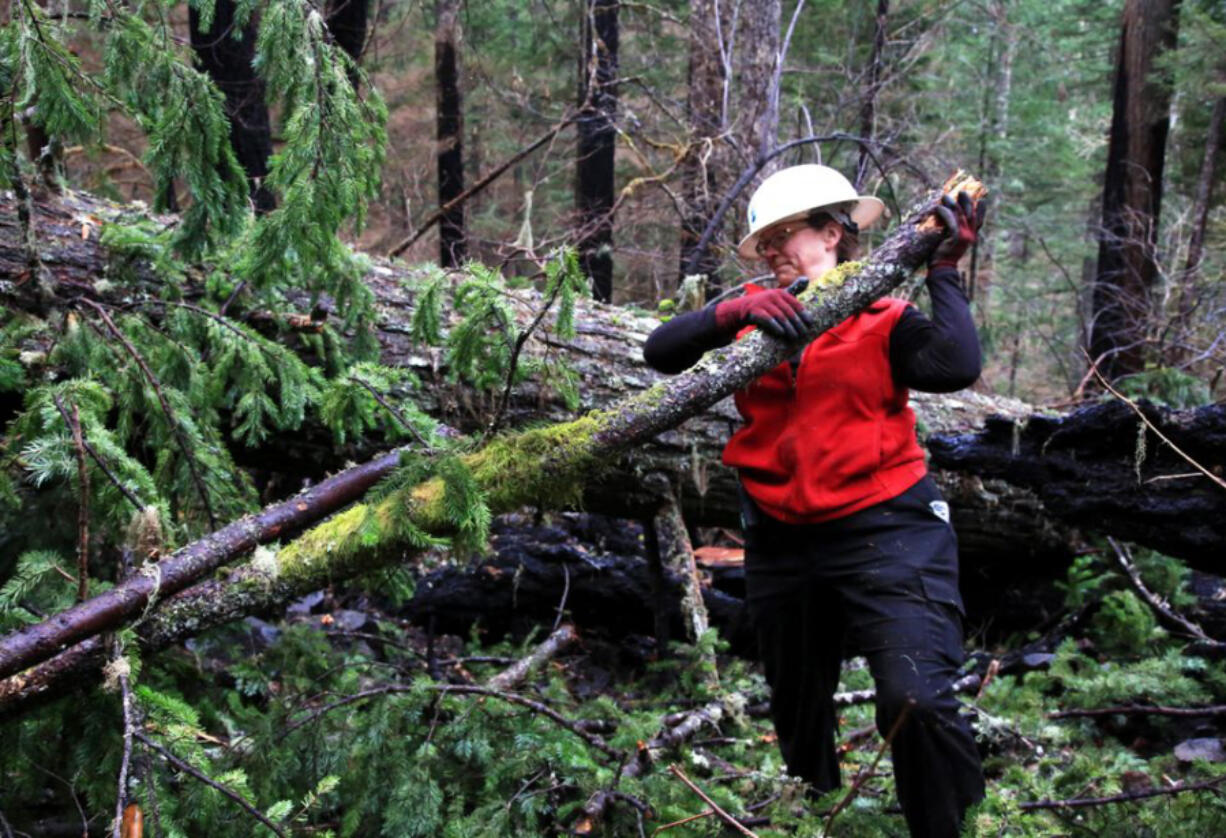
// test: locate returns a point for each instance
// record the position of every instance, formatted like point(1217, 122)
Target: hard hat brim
point(866, 211)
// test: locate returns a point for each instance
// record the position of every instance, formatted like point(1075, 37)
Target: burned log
point(1108, 469)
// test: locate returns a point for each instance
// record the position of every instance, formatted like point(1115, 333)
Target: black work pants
point(883, 583)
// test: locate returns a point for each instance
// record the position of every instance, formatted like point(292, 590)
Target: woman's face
point(795, 250)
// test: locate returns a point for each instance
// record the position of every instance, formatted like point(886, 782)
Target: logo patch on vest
point(940, 509)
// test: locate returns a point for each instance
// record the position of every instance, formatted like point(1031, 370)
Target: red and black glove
point(962, 222)
point(776, 311)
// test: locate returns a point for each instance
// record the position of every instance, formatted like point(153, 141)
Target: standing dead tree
point(452, 234)
point(597, 135)
point(1132, 192)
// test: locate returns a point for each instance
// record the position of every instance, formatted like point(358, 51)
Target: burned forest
point(343, 491)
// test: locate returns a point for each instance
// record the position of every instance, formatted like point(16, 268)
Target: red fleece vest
point(836, 438)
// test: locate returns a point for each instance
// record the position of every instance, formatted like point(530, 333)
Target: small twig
point(561, 609)
point(676, 771)
point(89, 449)
point(1136, 409)
point(438, 214)
point(464, 689)
point(1156, 602)
point(863, 776)
point(1141, 710)
point(187, 768)
point(396, 414)
point(557, 641)
point(1086, 802)
point(121, 797)
point(513, 363)
point(171, 419)
point(83, 508)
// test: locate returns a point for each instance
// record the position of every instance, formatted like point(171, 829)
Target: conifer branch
point(101, 463)
point(189, 769)
point(171, 419)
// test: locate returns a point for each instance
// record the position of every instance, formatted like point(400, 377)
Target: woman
point(848, 545)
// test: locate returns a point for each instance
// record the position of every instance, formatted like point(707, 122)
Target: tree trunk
point(228, 61)
point(1132, 190)
point(704, 113)
point(868, 108)
point(347, 21)
point(597, 137)
point(1178, 343)
point(992, 138)
point(452, 235)
point(754, 115)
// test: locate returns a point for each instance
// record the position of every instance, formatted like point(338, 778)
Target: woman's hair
point(849, 243)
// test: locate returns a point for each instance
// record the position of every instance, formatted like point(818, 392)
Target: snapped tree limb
point(547, 466)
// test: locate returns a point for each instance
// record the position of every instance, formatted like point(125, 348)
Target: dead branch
point(489, 178)
point(863, 776)
point(187, 768)
point(1086, 802)
point(1141, 710)
point(556, 642)
point(724, 816)
point(1160, 606)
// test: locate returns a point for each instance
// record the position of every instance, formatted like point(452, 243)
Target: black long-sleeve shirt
point(940, 355)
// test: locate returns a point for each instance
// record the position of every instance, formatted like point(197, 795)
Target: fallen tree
point(547, 467)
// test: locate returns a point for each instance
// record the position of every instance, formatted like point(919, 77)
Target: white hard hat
point(791, 194)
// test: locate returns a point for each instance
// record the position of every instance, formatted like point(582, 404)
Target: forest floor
point(344, 701)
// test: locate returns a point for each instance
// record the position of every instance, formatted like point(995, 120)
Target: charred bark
point(1132, 191)
point(227, 56)
point(1104, 469)
point(452, 234)
point(597, 136)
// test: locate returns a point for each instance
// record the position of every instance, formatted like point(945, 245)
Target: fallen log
point(548, 467)
point(606, 354)
point(1104, 468)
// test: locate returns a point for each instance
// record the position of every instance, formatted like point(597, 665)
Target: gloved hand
point(962, 222)
point(776, 311)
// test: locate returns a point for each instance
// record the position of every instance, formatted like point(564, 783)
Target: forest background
point(626, 125)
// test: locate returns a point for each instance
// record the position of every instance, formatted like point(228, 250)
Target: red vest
point(837, 437)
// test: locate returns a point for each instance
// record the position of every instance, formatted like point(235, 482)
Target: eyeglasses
point(775, 238)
